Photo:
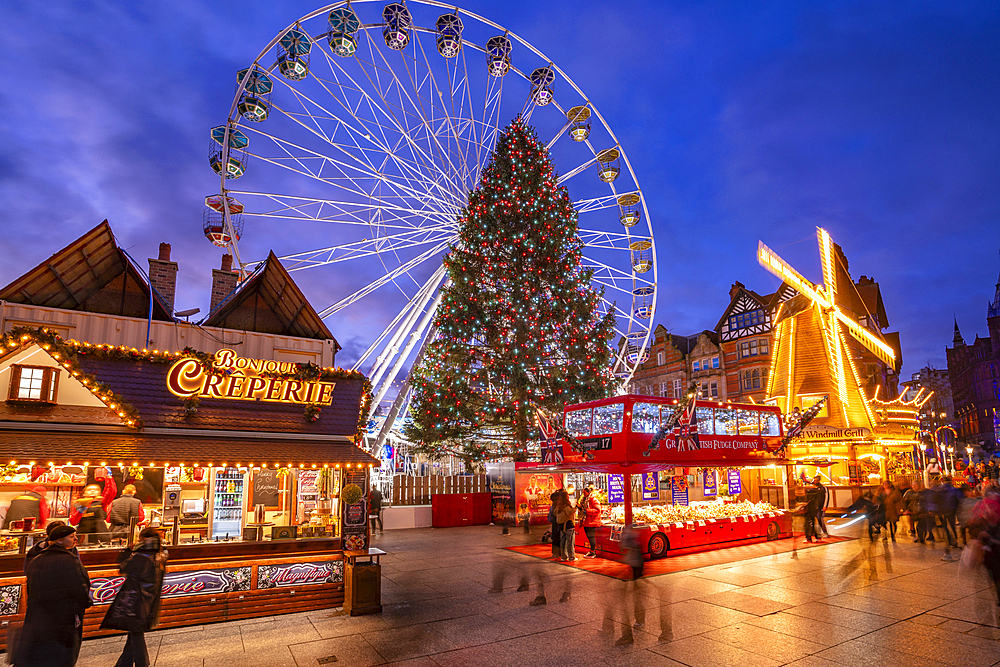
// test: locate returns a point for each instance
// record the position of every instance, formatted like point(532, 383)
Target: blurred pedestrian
point(556, 531)
point(911, 506)
point(58, 595)
point(966, 511)
point(565, 514)
point(822, 503)
point(927, 507)
point(30, 503)
point(864, 504)
point(893, 509)
point(590, 507)
point(90, 511)
point(136, 607)
point(375, 508)
point(123, 509)
point(812, 507)
point(948, 501)
point(43, 544)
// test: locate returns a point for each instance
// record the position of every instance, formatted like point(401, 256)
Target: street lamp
point(951, 456)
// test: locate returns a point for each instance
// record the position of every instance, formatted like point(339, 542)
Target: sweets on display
point(662, 514)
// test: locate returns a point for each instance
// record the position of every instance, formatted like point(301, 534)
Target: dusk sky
point(744, 121)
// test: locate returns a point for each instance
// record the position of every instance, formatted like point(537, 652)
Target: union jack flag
point(686, 431)
point(551, 445)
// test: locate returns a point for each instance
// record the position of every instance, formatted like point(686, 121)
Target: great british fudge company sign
point(240, 379)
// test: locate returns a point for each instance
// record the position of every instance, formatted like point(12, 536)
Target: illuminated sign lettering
point(237, 378)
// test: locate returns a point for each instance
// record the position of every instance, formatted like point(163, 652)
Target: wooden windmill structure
point(813, 357)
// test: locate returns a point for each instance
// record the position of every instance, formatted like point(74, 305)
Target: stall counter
point(206, 583)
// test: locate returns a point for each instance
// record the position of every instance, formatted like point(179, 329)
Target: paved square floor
point(451, 598)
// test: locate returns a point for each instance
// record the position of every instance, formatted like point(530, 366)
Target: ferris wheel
point(355, 137)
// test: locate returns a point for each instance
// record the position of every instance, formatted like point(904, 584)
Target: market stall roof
point(91, 274)
point(62, 447)
point(144, 386)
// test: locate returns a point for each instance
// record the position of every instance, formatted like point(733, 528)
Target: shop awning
point(61, 447)
point(636, 468)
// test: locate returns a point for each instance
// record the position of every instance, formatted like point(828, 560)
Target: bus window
point(769, 424)
point(578, 423)
point(725, 422)
point(705, 420)
point(749, 422)
point(645, 418)
point(609, 418)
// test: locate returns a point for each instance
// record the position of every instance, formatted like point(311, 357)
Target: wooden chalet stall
point(246, 464)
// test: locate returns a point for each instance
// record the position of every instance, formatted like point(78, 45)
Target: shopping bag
point(972, 556)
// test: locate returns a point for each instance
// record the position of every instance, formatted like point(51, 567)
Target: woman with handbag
point(589, 510)
point(136, 607)
point(565, 517)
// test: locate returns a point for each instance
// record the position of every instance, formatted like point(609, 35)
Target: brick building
point(974, 372)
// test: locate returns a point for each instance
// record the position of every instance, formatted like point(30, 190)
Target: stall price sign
point(679, 490)
point(650, 486)
point(854, 472)
point(735, 485)
point(616, 488)
point(710, 483)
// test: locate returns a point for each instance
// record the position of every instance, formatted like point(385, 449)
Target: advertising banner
point(735, 484)
point(616, 488)
point(532, 490)
point(679, 489)
point(500, 477)
point(709, 484)
point(178, 584)
point(650, 486)
point(299, 574)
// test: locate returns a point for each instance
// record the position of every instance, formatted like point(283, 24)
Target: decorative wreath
point(351, 494)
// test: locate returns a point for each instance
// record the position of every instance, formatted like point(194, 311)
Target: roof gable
point(91, 274)
point(269, 301)
point(743, 301)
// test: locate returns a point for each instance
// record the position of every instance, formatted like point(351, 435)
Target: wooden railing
point(407, 490)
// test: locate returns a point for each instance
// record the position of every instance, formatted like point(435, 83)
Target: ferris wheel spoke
point(366, 248)
point(292, 207)
point(598, 203)
point(343, 176)
point(387, 278)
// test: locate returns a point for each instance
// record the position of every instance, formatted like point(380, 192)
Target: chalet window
point(33, 383)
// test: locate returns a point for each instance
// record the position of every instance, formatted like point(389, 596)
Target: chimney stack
point(223, 281)
point(737, 286)
point(163, 276)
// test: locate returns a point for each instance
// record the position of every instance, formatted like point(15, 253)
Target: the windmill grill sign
point(237, 378)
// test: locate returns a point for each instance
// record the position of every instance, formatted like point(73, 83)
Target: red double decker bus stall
point(613, 441)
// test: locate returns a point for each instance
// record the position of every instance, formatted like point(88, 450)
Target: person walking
point(949, 501)
point(812, 507)
point(41, 545)
point(556, 530)
point(590, 508)
point(58, 595)
point(30, 503)
point(893, 509)
point(928, 509)
point(911, 506)
point(123, 509)
point(565, 517)
point(822, 502)
point(375, 508)
point(136, 607)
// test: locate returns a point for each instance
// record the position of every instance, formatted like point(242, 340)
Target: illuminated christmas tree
point(518, 325)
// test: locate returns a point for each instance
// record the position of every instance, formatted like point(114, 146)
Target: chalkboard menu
point(265, 489)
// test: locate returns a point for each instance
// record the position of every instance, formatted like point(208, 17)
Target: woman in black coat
point(58, 595)
point(136, 607)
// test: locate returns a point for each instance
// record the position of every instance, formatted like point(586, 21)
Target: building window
point(751, 348)
point(678, 388)
point(33, 383)
point(714, 389)
point(704, 389)
point(715, 362)
point(660, 358)
point(697, 365)
point(744, 320)
point(753, 379)
point(665, 389)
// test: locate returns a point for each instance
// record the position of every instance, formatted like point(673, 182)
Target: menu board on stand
point(354, 517)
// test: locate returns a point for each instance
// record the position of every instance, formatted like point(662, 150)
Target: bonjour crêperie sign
point(241, 379)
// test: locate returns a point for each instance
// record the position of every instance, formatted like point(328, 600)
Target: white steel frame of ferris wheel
point(437, 196)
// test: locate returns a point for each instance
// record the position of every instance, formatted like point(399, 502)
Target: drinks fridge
point(227, 503)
